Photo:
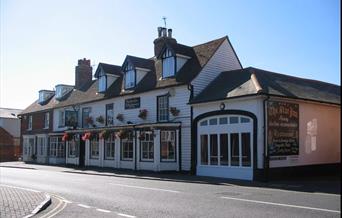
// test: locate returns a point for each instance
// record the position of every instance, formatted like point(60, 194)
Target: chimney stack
point(83, 73)
point(164, 36)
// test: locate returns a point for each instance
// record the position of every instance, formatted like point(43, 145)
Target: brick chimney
point(83, 73)
point(164, 36)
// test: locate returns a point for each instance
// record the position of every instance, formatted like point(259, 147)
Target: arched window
point(169, 64)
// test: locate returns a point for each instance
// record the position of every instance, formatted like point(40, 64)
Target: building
point(187, 108)
point(9, 134)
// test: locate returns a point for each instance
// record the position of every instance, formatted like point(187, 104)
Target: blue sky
point(41, 40)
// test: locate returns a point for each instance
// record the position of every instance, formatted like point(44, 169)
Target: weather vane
point(164, 18)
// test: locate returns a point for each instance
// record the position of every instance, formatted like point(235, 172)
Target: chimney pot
point(169, 33)
point(159, 31)
point(163, 32)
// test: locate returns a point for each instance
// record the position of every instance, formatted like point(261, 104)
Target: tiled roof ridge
point(286, 75)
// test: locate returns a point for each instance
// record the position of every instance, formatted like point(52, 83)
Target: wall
point(223, 60)
point(148, 100)
point(319, 136)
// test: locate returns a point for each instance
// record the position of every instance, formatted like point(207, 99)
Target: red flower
point(65, 137)
point(86, 136)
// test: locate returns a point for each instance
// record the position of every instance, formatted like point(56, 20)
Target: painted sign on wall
point(282, 128)
point(132, 103)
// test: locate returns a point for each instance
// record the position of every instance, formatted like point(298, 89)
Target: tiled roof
point(199, 56)
point(9, 112)
point(238, 83)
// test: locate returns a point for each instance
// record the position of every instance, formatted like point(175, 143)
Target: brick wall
point(7, 148)
point(37, 123)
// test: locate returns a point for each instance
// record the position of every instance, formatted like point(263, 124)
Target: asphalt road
point(84, 195)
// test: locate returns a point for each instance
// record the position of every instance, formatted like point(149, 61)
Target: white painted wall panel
point(223, 60)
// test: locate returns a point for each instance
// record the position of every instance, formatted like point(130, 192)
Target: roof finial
point(164, 18)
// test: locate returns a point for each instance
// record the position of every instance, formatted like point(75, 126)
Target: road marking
point(147, 188)
point(66, 201)
point(284, 205)
point(102, 210)
point(83, 205)
point(27, 189)
point(61, 205)
point(125, 215)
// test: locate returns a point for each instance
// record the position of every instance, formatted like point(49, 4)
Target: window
point(127, 147)
point(109, 114)
point(233, 120)
point(71, 118)
point(57, 147)
point(41, 145)
point(103, 83)
point(129, 77)
point(169, 64)
point(46, 120)
point(41, 97)
point(204, 149)
point(85, 117)
point(30, 122)
point(234, 145)
point(246, 149)
point(244, 120)
point(25, 146)
point(94, 148)
point(204, 123)
point(163, 108)
point(224, 149)
point(147, 146)
point(223, 120)
point(168, 145)
point(73, 146)
point(213, 150)
point(110, 147)
point(213, 121)
point(61, 120)
point(59, 91)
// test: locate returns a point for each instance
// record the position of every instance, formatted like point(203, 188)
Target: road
point(84, 195)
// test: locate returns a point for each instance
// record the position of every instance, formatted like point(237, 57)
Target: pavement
point(21, 202)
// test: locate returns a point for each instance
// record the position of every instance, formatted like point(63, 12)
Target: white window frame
point(168, 64)
point(29, 122)
point(126, 144)
point(109, 115)
point(129, 79)
point(94, 148)
point(41, 145)
point(61, 118)
point(168, 136)
point(110, 143)
point(103, 83)
point(146, 142)
point(163, 108)
point(73, 146)
point(57, 147)
point(46, 120)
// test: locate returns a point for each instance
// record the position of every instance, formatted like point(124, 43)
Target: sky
point(41, 41)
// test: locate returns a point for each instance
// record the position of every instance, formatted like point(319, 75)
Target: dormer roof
point(108, 69)
point(139, 62)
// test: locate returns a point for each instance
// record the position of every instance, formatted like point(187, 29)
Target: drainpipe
point(266, 156)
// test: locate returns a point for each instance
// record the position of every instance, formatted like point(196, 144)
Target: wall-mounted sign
point(282, 128)
point(132, 103)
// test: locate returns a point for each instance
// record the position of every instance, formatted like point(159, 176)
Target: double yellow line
point(60, 206)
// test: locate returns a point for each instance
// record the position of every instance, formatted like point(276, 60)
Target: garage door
point(225, 147)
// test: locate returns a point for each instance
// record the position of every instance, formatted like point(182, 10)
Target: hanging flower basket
point(122, 134)
point(66, 137)
point(174, 111)
point(120, 117)
point(86, 136)
point(142, 114)
point(105, 134)
point(100, 119)
point(142, 136)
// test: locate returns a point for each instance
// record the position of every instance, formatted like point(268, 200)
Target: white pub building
point(187, 108)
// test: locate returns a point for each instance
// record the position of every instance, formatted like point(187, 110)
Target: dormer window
point(103, 83)
point(169, 64)
point(44, 95)
point(62, 90)
point(129, 77)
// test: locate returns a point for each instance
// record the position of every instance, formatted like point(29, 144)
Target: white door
point(225, 147)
